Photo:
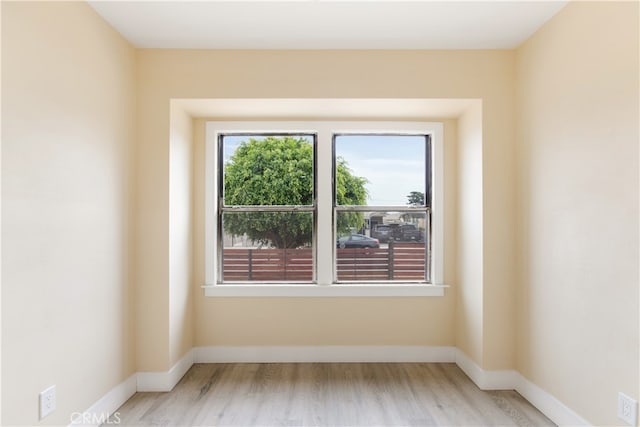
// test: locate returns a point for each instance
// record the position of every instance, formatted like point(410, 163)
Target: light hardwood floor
point(329, 394)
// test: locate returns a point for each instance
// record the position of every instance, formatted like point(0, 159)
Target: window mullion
point(267, 208)
point(324, 194)
point(367, 208)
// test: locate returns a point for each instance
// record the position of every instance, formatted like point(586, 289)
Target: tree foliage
point(350, 190)
point(415, 198)
point(277, 171)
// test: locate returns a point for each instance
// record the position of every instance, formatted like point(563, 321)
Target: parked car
point(407, 233)
point(357, 241)
point(382, 232)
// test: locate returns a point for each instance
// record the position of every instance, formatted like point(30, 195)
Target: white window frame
point(324, 285)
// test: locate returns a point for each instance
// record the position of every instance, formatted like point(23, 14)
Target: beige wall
point(324, 321)
point(152, 228)
point(578, 207)
point(180, 234)
point(469, 246)
point(171, 74)
point(68, 86)
point(0, 225)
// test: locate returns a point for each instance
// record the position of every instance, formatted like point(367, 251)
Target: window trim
point(324, 285)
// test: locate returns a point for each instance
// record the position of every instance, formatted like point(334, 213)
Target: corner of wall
point(181, 301)
point(469, 257)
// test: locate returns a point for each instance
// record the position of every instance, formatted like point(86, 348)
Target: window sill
point(351, 290)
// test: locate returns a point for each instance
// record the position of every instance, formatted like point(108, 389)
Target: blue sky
point(393, 164)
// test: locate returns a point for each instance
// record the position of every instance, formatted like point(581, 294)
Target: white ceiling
point(327, 24)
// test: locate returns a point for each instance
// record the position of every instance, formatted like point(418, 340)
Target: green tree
point(415, 198)
point(279, 171)
point(350, 190)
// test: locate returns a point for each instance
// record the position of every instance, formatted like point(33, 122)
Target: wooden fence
point(267, 264)
point(400, 261)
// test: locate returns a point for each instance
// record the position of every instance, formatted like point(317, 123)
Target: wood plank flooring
point(329, 394)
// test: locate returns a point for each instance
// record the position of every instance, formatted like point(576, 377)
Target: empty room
point(327, 213)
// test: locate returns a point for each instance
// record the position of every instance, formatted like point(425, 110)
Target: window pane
point(393, 167)
point(383, 246)
point(267, 246)
point(267, 170)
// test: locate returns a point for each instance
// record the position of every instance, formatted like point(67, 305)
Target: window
point(382, 196)
point(323, 209)
point(266, 208)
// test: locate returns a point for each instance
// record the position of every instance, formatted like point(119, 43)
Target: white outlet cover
point(627, 409)
point(47, 401)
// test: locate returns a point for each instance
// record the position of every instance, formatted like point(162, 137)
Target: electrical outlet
point(627, 409)
point(47, 401)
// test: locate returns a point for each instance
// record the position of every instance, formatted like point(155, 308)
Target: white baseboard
point(557, 411)
point(485, 380)
point(326, 354)
point(165, 381)
point(546, 403)
point(100, 411)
